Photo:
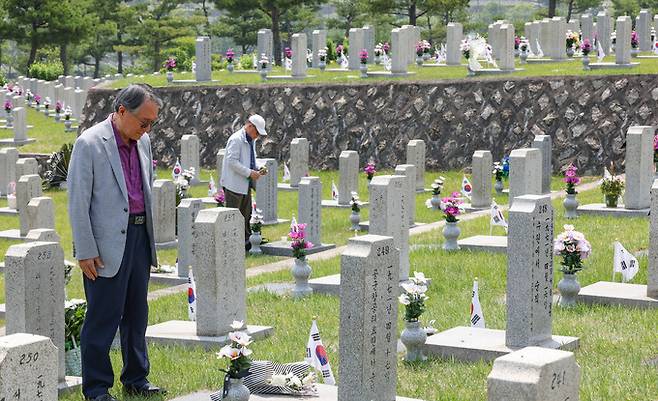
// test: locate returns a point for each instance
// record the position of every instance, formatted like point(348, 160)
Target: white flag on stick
point(334, 191)
point(477, 318)
point(316, 355)
point(467, 188)
point(497, 217)
point(625, 263)
point(286, 173)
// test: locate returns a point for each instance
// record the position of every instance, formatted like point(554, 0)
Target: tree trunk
point(63, 57)
point(348, 25)
point(412, 13)
point(156, 56)
point(97, 67)
point(429, 30)
point(276, 35)
point(205, 12)
point(33, 47)
point(552, 4)
point(569, 10)
point(119, 55)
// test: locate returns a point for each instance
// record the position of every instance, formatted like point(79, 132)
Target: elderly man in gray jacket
point(239, 171)
point(109, 192)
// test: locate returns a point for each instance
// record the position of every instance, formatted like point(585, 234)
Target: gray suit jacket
point(98, 198)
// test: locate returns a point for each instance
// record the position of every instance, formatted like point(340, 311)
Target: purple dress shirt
point(132, 172)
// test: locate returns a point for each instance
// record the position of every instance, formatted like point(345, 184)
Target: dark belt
point(137, 219)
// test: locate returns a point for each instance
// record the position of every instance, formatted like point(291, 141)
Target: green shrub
point(48, 71)
point(3, 80)
point(74, 316)
point(183, 58)
point(331, 50)
point(247, 62)
point(218, 62)
point(58, 167)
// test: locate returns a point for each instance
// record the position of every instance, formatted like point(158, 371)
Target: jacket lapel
point(112, 150)
point(144, 163)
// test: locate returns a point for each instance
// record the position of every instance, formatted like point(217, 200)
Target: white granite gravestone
point(28, 368)
point(455, 35)
point(265, 46)
point(652, 275)
point(398, 55)
point(189, 150)
point(299, 45)
point(203, 59)
point(164, 213)
point(219, 261)
point(348, 168)
point(20, 129)
point(587, 28)
point(79, 98)
point(524, 173)
point(36, 268)
point(267, 198)
point(534, 374)
point(481, 179)
point(298, 160)
point(220, 161)
point(368, 319)
point(319, 42)
point(623, 42)
point(369, 42)
point(529, 292)
point(8, 159)
point(26, 166)
point(40, 213)
point(357, 44)
point(309, 209)
point(533, 38)
point(545, 145)
point(408, 171)
point(388, 215)
point(416, 156)
point(639, 174)
point(558, 32)
point(506, 47)
point(187, 211)
point(643, 27)
point(603, 30)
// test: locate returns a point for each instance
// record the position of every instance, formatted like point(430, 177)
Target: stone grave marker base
point(282, 248)
point(622, 294)
point(389, 74)
point(334, 203)
point(474, 344)
point(601, 66)
point(181, 332)
point(284, 186)
point(70, 384)
point(484, 243)
point(170, 279)
point(12, 142)
point(325, 393)
point(190, 81)
point(496, 71)
point(443, 65)
point(166, 245)
point(546, 60)
point(619, 211)
point(276, 77)
point(13, 234)
point(365, 225)
point(330, 285)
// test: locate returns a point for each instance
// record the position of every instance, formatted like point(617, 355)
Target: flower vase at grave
point(73, 362)
point(230, 67)
point(436, 202)
point(569, 288)
point(470, 72)
point(570, 204)
point(611, 201)
point(57, 116)
point(255, 240)
point(413, 337)
point(523, 56)
point(237, 391)
point(322, 65)
point(364, 70)
point(67, 125)
point(301, 272)
point(451, 232)
point(517, 52)
point(586, 63)
point(498, 186)
point(378, 60)
point(570, 51)
point(263, 74)
point(419, 61)
point(426, 56)
point(11, 201)
point(10, 120)
point(46, 112)
point(170, 76)
point(635, 52)
point(355, 218)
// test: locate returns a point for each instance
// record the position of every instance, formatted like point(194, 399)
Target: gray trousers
point(243, 203)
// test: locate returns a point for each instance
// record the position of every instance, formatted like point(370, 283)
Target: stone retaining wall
point(586, 116)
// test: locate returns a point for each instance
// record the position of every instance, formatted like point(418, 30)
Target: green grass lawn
point(614, 341)
point(50, 135)
point(573, 67)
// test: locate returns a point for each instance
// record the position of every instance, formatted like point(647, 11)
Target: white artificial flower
point(229, 352)
point(419, 278)
point(404, 299)
point(240, 338)
point(237, 324)
point(568, 227)
point(278, 380)
point(295, 382)
point(309, 379)
point(246, 351)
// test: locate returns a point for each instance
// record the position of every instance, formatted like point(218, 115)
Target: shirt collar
point(117, 136)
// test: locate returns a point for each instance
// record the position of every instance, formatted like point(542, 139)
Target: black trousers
point(242, 202)
point(118, 302)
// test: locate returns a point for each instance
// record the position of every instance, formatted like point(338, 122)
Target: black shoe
point(104, 397)
point(146, 390)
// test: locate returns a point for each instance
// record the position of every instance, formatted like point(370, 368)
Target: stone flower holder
point(569, 288)
point(230, 67)
point(498, 186)
point(322, 65)
point(413, 337)
point(237, 391)
point(67, 125)
point(301, 271)
point(10, 119)
point(570, 52)
point(436, 202)
point(58, 117)
point(355, 218)
point(170, 76)
point(570, 204)
point(364, 70)
point(46, 112)
point(611, 201)
point(255, 240)
point(451, 232)
point(419, 60)
point(263, 74)
point(524, 57)
point(586, 66)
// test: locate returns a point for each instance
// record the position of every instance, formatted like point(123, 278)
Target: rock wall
point(587, 117)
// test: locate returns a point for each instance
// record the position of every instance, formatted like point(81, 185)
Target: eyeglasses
point(144, 124)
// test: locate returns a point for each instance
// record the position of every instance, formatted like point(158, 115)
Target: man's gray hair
point(134, 95)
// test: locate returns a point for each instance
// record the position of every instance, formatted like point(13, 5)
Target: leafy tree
point(407, 9)
point(626, 7)
point(580, 6)
point(241, 22)
point(350, 13)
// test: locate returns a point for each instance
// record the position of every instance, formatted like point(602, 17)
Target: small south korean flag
point(625, 263)
point(477, 318)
